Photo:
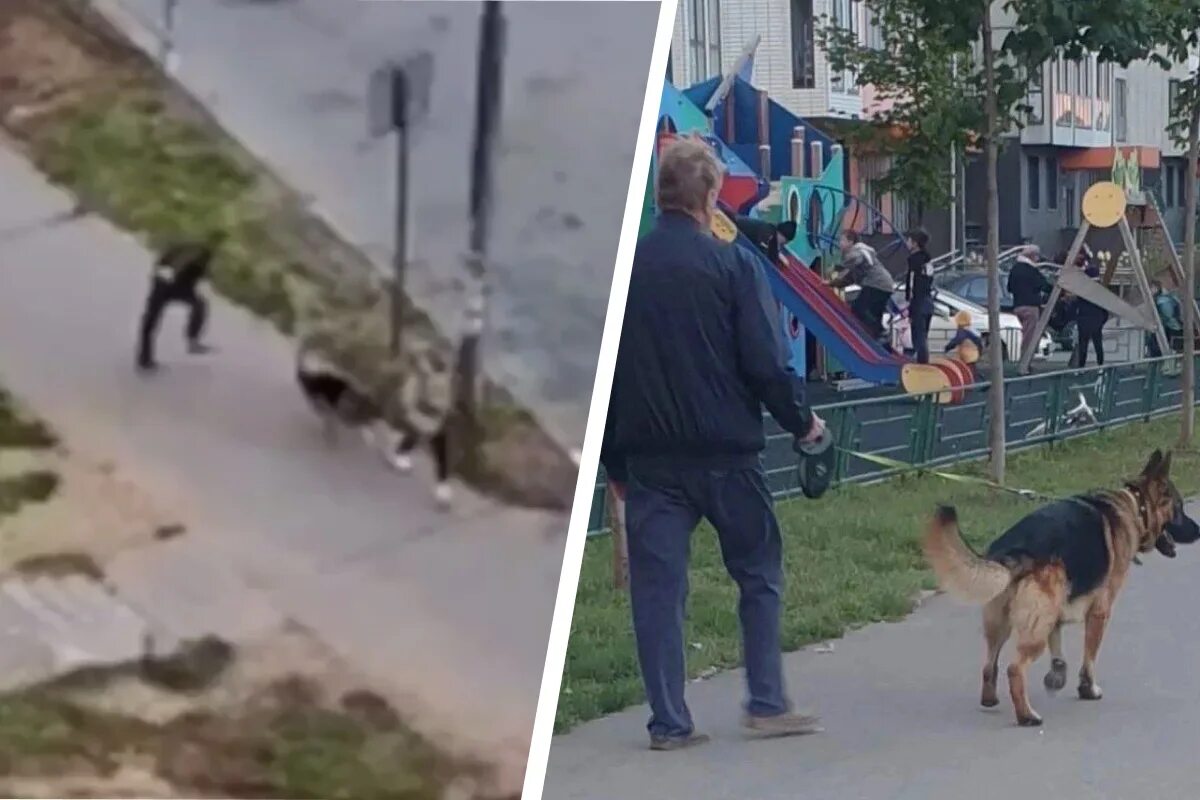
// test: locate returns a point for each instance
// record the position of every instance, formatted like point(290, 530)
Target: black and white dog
point(341, 402)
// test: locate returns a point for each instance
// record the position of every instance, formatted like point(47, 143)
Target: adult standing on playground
point(700, 356)
point(1028, 287)
point(861, 265)
point(1090, 320)
point(918, 291)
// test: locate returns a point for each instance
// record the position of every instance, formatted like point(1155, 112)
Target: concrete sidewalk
point(900, 704)
point(450, 613)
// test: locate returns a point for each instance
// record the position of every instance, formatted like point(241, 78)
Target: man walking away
point(1028, 287)
point(918, 291)
point(1089, 320)
point(177, 278)
point(700, 356)
point(860, 265)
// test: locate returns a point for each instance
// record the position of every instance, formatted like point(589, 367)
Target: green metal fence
point(921, 433)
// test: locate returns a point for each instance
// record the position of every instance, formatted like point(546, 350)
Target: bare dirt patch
point(285, 718)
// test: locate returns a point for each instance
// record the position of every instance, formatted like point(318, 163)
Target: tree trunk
point(995, 342)
point(1187, 428)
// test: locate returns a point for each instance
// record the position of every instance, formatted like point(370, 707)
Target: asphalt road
point(449, 614)
point(289, 79)
point(900, 706)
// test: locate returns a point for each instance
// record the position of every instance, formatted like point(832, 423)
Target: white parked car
point(943, 327)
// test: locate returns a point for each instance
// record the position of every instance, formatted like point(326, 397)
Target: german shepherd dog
point(1065, 562)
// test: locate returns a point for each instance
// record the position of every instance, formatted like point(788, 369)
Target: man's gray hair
point(688, 170)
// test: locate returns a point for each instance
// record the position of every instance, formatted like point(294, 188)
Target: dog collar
point(1139, 498)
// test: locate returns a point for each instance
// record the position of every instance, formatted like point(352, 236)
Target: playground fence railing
point(921, 433)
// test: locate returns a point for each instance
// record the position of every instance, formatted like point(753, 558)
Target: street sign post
point(398, 98)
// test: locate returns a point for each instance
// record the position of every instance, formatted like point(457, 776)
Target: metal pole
point(400, 256)
point(487, 117)
point(167, 57)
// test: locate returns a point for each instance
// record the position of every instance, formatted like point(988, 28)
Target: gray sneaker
point(790, 723)
point(665, 743)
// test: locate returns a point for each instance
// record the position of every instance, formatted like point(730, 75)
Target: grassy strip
point(29, 487)
point(183, 187)
point(287, 745)
point(18, 430)
point(851, 558)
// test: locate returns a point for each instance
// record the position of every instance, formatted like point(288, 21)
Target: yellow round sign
point(1104, 204)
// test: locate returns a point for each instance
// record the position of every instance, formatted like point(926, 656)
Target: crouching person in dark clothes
point(767, 236)
point(177, 278)
point(700, 356)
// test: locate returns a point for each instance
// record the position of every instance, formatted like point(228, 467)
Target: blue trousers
point(665, 500)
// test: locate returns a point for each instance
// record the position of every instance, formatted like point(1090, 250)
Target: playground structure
point(812, 193)
point(1105, 205)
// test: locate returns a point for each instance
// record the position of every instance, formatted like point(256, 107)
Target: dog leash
point(892, 463)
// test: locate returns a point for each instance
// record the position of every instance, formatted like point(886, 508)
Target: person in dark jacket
point(701, 354)
point(861, 266)
point(1028, 287)
point(918, 291)
point(1089, 320)
point(768, 237)
point(177, 277)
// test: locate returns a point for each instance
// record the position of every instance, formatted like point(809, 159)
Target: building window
point(714, 36)
point(1104, 74)
point(1120, 110)
point(1033, 174)
point(1051, 182)
point(1172, 96)
point(840, 18)
point(704, 40)
point(804, 68)
point(1182, 192)
point(1070, 207)
point(1169, 180)
point(1035, 97)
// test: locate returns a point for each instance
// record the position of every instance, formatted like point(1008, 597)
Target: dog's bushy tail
point(959, 569)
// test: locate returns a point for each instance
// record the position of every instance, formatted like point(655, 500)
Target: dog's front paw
point(1056, 678)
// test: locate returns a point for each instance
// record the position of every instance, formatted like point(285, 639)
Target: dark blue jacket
point(701, 353)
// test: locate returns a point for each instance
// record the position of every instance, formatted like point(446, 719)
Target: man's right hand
point(815, 431)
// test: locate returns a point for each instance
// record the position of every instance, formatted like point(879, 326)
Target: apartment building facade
point(1085, 115)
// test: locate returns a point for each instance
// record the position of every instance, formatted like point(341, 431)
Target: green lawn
point(851, 558)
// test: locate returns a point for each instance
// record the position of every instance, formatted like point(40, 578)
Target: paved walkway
point(900, 707)
point(451, 613)
point(290, 81)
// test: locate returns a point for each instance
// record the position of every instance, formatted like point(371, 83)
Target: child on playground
point(965, 344)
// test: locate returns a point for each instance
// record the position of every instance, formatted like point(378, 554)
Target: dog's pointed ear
point(1153, 465)
point(1165, 469)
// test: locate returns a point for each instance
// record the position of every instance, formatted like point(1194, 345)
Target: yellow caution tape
point(893, 463)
